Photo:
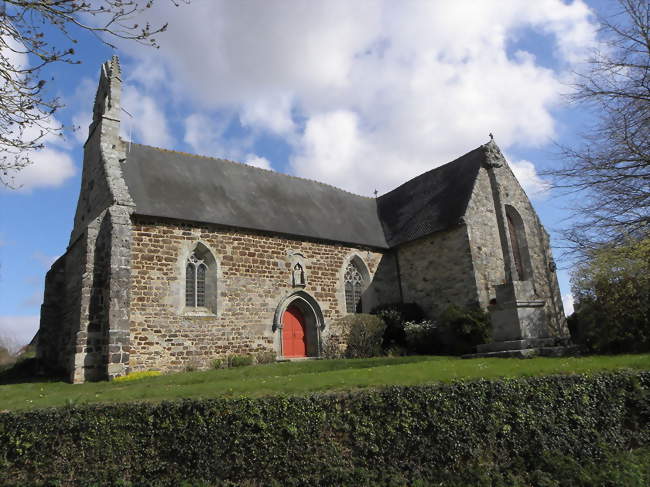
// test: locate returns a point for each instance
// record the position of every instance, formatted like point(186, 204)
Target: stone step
point(560, 351)
point(523, 344)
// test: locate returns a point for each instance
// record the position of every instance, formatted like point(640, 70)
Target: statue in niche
point(298, 276)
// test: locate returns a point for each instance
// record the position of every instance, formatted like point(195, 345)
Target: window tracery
point(195, 271)
point(354, 284)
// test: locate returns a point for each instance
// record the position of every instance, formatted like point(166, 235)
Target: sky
point(363, 95)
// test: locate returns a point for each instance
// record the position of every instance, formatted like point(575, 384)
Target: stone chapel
point(176, 259)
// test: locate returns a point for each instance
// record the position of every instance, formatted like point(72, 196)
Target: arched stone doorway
point(298, 323)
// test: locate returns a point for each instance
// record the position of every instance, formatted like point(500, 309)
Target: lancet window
point(354, 284)
point(522, 268)
point(195, 271)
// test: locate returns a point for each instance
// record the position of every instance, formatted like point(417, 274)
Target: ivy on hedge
point(393, 436)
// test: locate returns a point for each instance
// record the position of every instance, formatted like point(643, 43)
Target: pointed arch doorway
point(294, 333)
point(297, 323)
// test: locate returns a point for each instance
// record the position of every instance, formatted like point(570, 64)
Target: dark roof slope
point(431, 202)
point(186, 187)
point(182, 186)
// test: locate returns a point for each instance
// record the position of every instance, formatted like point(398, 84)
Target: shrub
point(217, 363)
point(534, 431)
point(265, 358)
point(239, 360)
point(363, 334)
point(422, 337)
point(332, 349)
point(461, 329)
point(395, 315)
point(137, 376)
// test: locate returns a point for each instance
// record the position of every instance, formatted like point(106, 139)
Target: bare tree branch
point(27, 46)
point(610, 169)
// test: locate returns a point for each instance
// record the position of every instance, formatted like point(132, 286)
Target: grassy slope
point(304, 377)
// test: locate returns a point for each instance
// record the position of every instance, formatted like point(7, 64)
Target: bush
point(239, 360)
point(217, 363)
point(332, 348)
point(395, 315)
point(363, 334)
point(265, 358)
point(461, 329)
point(422, 337)
point(543, 431)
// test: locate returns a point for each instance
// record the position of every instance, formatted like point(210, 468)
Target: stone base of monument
point(520, 326)
point(527, 348)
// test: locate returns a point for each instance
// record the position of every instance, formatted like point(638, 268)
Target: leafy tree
point(610, 169)
point(30, 40)
point(612, 299)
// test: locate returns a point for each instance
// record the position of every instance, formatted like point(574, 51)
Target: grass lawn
point(304, 377)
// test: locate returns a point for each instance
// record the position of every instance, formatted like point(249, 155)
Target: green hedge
point(473, 431)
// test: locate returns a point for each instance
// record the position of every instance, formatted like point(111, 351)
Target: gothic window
point(516, 251)
point(195, 272)
point(523, 269)
point(354, 284)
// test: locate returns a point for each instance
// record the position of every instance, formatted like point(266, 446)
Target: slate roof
point(431, 202)
point(182, 186)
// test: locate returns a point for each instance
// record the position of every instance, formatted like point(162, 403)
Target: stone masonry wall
point(60, 311)
point(436, 271)
point(486, 246)
point(253, 278)
point(52, 337)
point(91, 306)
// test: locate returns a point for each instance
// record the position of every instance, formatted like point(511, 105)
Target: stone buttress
point(85, 314)
point(519, 285)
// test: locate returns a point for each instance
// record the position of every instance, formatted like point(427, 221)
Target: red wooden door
point(294, 341)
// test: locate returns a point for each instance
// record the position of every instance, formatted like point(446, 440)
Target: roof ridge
point(201, 156)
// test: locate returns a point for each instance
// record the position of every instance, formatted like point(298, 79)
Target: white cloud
point(369, 93)
point(18, 331)
point(149, 123)
point(257, 161)
point(567, 302)
point(533, 184)
point(271, 113)
point(207, 136)
point(49, 168)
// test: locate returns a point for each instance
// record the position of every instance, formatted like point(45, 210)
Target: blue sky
point(362, 95)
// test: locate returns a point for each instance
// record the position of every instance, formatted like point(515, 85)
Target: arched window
point(519, 245)
point(195, 271)
point(354, 285)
